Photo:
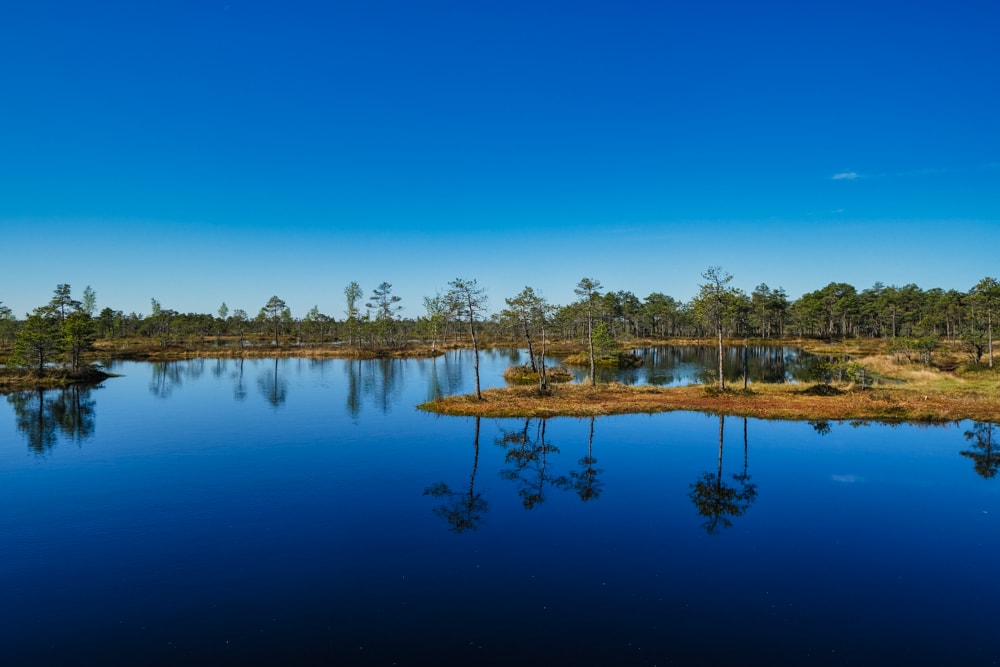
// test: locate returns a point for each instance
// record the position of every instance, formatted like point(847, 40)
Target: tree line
point(914, 319)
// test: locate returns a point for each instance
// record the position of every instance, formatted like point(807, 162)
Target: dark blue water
point(300, 512)
point(676, 365)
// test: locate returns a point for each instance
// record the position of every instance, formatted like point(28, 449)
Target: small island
point(792, 402)
point(906, 392)
point(51, 378)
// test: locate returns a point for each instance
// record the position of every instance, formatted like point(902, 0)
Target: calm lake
point(305, 512)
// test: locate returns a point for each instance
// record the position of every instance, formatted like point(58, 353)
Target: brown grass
point(802, 402)
point(145, 349)
point(524, 375)
point(18, 380)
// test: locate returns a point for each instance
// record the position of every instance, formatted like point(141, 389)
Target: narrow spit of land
point(52, 379)
point(917, 392)
point(793, 402)
point(914, 392)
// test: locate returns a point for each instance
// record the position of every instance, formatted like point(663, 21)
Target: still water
point(304, 512)
point(676, 365)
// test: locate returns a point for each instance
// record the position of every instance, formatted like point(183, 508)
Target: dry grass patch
point(143, 349)
point(811, 402)
point(850, 347)
point(524, 375)
point(18, 380)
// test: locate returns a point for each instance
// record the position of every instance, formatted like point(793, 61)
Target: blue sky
point(201, 152)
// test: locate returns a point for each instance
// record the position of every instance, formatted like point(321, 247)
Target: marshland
point(309, 487)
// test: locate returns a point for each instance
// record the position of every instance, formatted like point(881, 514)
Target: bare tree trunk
point(475, 346)
point(722, 377)
point(475, 466)
point(590, 442)
point(745, 447)
point(746, 343)
point(989, 333)
point(590, 338)
point(531, 349)
point(722, 427)
point(543, 380)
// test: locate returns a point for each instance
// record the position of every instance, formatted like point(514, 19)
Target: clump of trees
point(917, 321)
point(529, 312)
point(468, 301)
point(56, 334)
point(587, 290)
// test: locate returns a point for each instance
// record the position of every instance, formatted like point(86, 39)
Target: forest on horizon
point(918, 318)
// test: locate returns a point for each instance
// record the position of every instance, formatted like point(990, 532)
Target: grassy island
point(912, 394)
point(795, 402)
point(52, 378)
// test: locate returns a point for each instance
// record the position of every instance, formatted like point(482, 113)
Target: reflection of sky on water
point(179, 505)
point(675, 365)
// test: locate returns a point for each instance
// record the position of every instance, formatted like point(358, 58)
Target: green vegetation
point(530, 312)
point(524, 374)
point(919, 322)
point(586, 289)
point(938, 330)
point(49, 345)
point(937, 399)
point(615, 359)
point(13, 379)
point(906, 390)
point(466, 300)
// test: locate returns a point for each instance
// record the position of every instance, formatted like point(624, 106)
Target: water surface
point(302, 511)
point(676, 365)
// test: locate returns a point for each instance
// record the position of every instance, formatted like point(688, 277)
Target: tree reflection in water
point(353, 388)
point(985, 457)
point(748, 490)
point(165, 377)
point(718, 501)
point(527, 454)
point(821, 426)
point(385, 373)
point(273, 387)
point(379, 379)
point(683, 364)
point(463, 510)
point(43, 416)
point(586, 483)
point(239, 386)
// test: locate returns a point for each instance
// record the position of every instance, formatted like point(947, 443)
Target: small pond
point(676, 365)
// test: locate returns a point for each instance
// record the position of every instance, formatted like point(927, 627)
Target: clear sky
point(201, 152)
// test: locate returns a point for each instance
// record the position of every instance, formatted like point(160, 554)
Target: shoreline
point(56, 379)
point(919, 393)
point(815, 402)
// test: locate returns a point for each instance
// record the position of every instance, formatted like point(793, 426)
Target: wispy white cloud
point(927, 171)
point(848, 479)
